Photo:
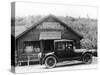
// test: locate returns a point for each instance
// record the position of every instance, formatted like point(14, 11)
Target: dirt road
point(66, 65)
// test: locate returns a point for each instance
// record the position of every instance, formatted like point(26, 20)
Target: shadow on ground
point(69, 65)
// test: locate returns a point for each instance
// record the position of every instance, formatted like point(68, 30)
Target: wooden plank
point(50, 35)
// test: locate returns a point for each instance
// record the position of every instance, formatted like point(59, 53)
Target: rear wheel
point(50, 62)
point(87, 58)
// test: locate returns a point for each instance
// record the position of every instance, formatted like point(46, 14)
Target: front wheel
point(50, 62)
point(87, 58)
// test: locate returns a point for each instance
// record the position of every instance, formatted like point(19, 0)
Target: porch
point(31, 50)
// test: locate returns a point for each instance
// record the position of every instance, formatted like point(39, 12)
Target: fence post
point(28, 61)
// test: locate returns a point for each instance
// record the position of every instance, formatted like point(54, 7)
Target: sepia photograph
point(53, 37)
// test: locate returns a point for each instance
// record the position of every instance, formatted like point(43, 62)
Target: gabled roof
point(42, 20)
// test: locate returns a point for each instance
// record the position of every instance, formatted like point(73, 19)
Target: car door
point(60, 49)
point(69, 49)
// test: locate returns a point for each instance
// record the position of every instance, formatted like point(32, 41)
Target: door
point(60, 50)
point(69, 49)
point(64, 50)
point(48, 46)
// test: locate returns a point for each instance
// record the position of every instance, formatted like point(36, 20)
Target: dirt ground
point(66, 65)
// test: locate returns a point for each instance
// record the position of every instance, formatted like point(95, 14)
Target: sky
point(28, 8)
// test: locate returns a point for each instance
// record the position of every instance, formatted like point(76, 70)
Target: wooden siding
point(59, 32)
point(50, 35)
point(69, 35)
point(34, 35)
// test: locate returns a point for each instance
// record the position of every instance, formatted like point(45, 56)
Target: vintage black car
point(64, 50)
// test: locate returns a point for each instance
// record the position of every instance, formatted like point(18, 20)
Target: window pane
point(29, 49)
point(60, 46)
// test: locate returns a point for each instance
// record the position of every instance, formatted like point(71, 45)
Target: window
point(60, 46)
point(28, 49)
point(69, 45)
point(36, 47)
point(32, 47)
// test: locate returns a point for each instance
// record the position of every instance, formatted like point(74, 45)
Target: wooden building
point(41, 35)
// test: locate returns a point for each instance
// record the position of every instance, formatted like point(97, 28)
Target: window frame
point(62, 46)
point(35, 45)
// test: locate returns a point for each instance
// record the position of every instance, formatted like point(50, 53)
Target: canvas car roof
point(62, 40)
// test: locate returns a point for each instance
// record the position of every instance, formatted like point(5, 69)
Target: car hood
point(80, 50)
point(84, 50)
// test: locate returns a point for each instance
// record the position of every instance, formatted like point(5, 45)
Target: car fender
point(86, 52)
point(51, 53)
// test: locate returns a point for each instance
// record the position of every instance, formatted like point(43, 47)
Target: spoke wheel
point(50, 62)
point(87, 59)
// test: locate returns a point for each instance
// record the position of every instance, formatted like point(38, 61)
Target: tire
point(50, 62)
point(87, 58)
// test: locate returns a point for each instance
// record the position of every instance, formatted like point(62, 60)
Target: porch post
point(41, 50)
point(41, 46)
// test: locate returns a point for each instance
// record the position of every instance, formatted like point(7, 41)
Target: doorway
point(48, 46)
